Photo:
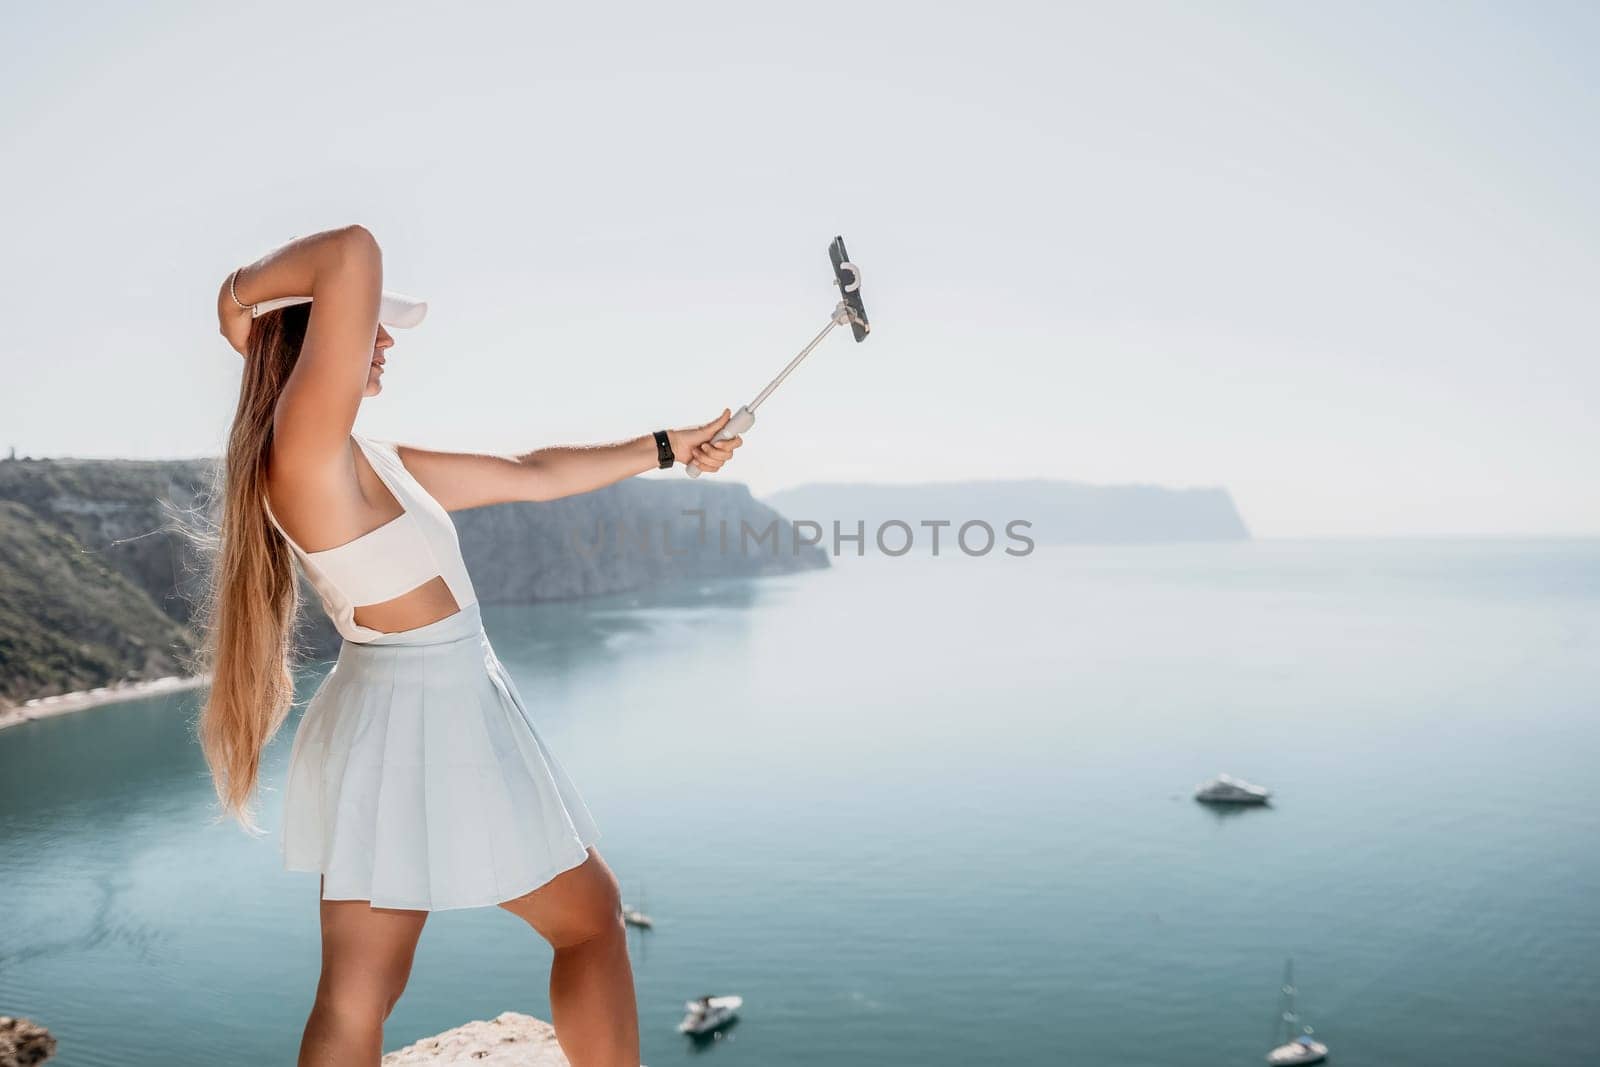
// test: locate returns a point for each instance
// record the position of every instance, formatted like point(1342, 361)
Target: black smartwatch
point(664, 457)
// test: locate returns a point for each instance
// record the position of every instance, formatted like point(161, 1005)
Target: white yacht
point(1226, 789)
point(708, 1012)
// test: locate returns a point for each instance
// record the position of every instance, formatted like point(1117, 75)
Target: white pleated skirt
point(417, 778)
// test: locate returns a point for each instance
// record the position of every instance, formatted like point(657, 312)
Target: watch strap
point(664, 456)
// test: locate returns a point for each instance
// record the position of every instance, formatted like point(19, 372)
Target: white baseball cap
point(394, 309)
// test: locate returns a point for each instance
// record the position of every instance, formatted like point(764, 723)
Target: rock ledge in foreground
point(509, 1040)
point(24, 1043)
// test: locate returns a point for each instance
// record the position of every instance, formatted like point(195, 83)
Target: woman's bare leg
point(591, 981)
point(366, 959)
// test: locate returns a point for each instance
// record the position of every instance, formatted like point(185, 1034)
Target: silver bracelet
point(232, 278)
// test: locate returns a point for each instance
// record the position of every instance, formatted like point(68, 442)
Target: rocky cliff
point(98, 586)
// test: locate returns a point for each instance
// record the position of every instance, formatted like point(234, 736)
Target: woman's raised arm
point(342, 271)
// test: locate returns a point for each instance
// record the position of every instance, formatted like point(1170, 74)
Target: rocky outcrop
point(628, 535)
point(24, 1043)
point(98, 584)
point(508, 1040)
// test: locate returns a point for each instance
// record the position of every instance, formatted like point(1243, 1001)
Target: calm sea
point(937, 812)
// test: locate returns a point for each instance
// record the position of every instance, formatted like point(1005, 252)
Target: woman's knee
point(366, 957)
point(577, 906)
point(596, 925)
point(359, 998)
point(597, 914)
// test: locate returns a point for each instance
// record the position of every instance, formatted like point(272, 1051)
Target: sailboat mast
point(1291, 1016)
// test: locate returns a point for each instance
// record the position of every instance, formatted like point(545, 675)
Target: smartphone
point(848, 279)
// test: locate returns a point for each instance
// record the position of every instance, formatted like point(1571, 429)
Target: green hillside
point(67, 620)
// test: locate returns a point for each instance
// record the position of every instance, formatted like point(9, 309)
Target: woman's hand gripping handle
point(711, 449)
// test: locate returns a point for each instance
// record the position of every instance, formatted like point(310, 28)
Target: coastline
point(83, 699)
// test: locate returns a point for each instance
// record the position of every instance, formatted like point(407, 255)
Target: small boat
point(708, 1012)
point(636, 916)
point(1297, 1047)
point(1301, 1050)
point(1226, 789)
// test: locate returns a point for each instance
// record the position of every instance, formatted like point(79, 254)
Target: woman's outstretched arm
point(460, 480)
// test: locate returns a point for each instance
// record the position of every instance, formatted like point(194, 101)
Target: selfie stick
point(849, 310)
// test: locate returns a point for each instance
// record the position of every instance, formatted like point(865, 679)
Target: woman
point(417, 780)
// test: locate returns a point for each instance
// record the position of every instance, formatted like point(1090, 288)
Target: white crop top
point(416, 546)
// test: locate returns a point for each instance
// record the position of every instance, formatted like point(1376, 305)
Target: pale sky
point(1342, 259)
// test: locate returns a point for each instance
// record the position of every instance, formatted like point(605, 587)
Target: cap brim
point(394, 309)
point(397, 309)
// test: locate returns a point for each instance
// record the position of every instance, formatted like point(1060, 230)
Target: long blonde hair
point(246, 614)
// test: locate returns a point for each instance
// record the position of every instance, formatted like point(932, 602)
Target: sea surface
point(937, 811)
